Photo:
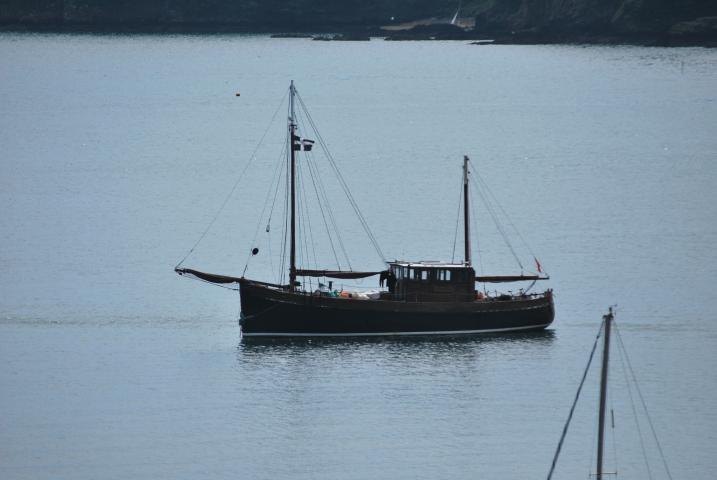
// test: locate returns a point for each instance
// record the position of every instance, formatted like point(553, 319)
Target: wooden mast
point(466, 215)
point(603, 393)
point(292, 135)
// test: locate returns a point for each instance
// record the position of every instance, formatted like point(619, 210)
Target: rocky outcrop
point(636, 21)
point(240, 15)
point(669, 22)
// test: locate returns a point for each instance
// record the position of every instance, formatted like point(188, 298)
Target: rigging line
point(572, 408)
point(263, 209)
point(308, 216)
point(304, 222)
point(644, 404)
point(307, 220)
point(496, 221)
point(325, 197)
point(271, 255)
point(634, 415)
point(495, 203)
point(285, 226)
point(278, 182)
point(334, 223)
point(321, 209)
point(306, 225)
point(612, 427)
point(332, 218)
point(458, 219)
point(342, 182)
point(303, 256)
point(314, 166)
point(510, 221)
point(236, 184)
point(476, 237)
point(491, 210)
point(592, 449)
point(284, 233)
point(271, 213)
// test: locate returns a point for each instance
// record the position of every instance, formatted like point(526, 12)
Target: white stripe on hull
point(384, 334)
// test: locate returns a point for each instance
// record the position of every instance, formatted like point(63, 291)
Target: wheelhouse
point(433, 281)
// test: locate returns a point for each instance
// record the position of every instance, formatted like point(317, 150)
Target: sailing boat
point(606, 328)
point(421, 298)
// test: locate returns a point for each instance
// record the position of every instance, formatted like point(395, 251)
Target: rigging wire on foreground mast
point(575, 402)
point(236, 184)
point(624, 360)
point(642, 400)
point(634, 412)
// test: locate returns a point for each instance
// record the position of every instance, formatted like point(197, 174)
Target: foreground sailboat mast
point(466, 217)
point(292, 142)
point(603, 393)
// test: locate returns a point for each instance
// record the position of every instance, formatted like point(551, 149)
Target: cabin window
point(424, 275)
point(444, 275)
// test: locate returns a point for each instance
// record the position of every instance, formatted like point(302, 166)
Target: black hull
point(274, 312)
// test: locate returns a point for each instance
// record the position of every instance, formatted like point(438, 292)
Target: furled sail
point(207, 277)
point(335, 274)
point(509, 278)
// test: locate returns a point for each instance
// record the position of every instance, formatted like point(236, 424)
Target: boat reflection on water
point(255, 345)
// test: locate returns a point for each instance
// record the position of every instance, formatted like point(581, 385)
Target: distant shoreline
point(349, 32)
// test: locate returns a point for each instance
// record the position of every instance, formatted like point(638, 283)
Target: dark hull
point(273, 312)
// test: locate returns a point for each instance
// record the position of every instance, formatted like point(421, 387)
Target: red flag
point(537, 264)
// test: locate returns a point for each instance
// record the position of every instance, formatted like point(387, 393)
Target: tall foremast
point(292, 142)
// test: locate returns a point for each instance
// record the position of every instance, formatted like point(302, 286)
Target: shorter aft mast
point(466, 217)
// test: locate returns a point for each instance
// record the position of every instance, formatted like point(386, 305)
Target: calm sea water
point(117, 151)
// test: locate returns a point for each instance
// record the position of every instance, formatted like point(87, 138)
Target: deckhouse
point(428, 281)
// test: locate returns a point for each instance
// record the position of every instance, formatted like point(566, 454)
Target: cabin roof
point(427, 264)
